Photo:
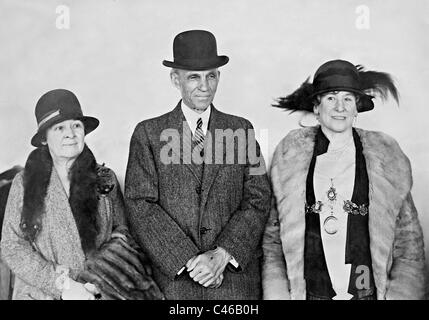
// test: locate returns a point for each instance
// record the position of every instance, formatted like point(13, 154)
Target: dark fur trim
point(377, 83)
point(120, 272)
point(83, 196)
point(37, 173)
point(11, 173)
point(299, 100)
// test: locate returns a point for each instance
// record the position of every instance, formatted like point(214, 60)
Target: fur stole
point(83, 194)
point(390, 181)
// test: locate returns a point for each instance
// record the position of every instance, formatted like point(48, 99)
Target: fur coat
point(64, 235)
point(396, 239)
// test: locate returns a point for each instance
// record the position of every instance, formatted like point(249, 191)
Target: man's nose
point(204, 85)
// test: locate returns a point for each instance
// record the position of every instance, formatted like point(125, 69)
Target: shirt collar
point(192, 117)
point(322, 142)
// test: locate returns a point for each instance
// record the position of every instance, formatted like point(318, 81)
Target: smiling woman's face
point(66, 139)
point(336, 111)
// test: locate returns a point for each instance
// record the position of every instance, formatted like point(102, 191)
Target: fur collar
point(83, 196)
point(389, 175)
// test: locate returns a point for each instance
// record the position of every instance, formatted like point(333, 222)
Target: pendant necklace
point(330, 224)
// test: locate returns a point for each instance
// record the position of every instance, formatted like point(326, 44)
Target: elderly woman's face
point(66, 139)
point(336, 111)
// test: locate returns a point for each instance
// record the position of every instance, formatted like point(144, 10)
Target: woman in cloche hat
point(64, 232)
point(343, 223)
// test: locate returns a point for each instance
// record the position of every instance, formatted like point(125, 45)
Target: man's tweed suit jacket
point(174, 215)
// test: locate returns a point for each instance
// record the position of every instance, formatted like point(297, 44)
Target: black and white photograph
point(220, 152)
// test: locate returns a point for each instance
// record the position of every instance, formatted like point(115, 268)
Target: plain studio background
point(110, 57)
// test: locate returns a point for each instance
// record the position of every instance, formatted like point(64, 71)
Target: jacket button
point(204, 230)
point(198, 190)
point(202, 153)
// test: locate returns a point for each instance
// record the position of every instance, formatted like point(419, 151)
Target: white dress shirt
point(341, 167)
point(192, 117)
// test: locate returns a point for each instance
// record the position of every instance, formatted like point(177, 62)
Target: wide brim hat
point(195, 50)
point(56, 106)
point(341, 75)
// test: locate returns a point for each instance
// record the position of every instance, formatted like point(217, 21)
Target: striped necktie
point(198, 138)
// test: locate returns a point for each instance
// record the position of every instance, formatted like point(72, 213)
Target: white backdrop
point(110, 55)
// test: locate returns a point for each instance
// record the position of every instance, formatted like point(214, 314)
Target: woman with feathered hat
point(65, 234)
point(343, 224)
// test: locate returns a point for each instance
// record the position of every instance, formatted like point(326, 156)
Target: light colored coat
point(58, 241)
point(396, 239)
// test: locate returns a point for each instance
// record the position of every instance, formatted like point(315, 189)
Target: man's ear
point(174, 77)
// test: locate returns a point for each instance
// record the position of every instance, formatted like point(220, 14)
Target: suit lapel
point(177, 121)
point(211, 168)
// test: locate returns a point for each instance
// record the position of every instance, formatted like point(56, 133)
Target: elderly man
point(196, 208)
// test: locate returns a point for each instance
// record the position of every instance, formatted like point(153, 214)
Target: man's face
point(198, 88)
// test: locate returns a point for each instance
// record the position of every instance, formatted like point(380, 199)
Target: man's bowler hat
point(195, 50)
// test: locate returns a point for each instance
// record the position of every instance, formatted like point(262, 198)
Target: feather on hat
point(341, 75)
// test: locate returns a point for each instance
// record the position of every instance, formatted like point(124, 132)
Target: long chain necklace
point(330, 224)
